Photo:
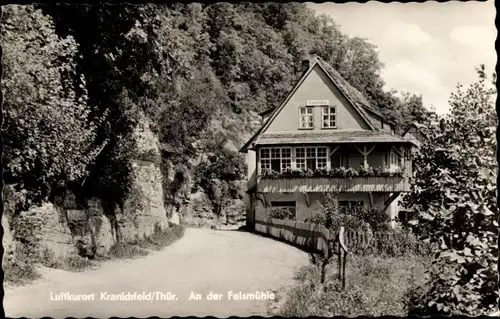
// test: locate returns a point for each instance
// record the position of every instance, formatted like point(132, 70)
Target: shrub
point(162, 237)
point(455, 194)
point(285, 213)
point(19, 271)
point(127, 250)
point(340, 172)
point(74, 262)
point(374, 286)
point(49, 128)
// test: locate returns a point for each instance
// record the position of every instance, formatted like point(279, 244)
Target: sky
point(427, 48)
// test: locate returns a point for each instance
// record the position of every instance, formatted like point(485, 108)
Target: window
point(283, 204)
point(306, 117)
point(336, 160)
point(394, 160)
point(329, 117)
point(348, 207)
point(277, 159)
point(311, 157)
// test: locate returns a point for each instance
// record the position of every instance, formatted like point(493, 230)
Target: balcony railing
point(333, 184)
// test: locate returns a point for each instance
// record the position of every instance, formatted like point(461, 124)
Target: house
point(324, 137)
point(415, 133)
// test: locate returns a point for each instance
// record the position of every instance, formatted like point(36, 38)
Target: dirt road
point(203, 261)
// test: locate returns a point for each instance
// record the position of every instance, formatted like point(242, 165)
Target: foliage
point(188, 55)
point(162, 237)
point(340, 172)
point(376, 286)
point(222, 164)
point(284, 213)
point(455, 195)
point(49, 132)
point(122, 250)
point(70, 262)
point(188, 66)
point(159, 239)
point(19, 269)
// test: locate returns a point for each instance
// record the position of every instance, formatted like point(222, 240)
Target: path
point(202, 261)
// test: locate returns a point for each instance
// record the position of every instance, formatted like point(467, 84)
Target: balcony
point(332, 184)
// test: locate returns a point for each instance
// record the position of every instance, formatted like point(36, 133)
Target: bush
point(162, 238)
point(50, 131)
point(374, 287)
point(285, 213)
point(393, 243)
point(340, 172)
point(159, 239)
point(76, 263)
point(18, 271)
point(127, 250)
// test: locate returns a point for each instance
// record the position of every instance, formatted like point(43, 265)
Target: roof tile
point(348, 136)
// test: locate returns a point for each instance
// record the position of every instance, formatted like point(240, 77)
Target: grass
point(126, 251)
point(140, 248)
point(162, 238)
point(20, 269)
point(375, 286)
point(19, 272)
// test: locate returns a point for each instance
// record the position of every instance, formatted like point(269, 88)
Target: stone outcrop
point(7, 239)
point(91, 229)
point(44, 229)
point(144, 208)
point(65, 229)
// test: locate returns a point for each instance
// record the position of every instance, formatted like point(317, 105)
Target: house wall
point(249, 205)
point(317, 86)
point(303, 211)
point(251, 159)
point(413, 134)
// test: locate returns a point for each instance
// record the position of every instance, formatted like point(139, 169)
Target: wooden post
point(339, 252)
point(329, 159)
point(307, 199)
point(343, 269)
point(345, 251)
point(365, 154)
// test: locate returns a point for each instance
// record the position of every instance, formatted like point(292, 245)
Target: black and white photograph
point(289, 159)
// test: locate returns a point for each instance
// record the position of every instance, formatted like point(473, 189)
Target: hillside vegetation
point(200, 74)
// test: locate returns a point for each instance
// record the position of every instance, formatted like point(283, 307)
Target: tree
point(49, 134)
point(455, 194)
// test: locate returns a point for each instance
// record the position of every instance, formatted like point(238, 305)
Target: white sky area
point(427, 48)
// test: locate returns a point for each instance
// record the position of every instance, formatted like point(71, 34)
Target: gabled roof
point(355, 98)
point(311, 137)
point(416, 125)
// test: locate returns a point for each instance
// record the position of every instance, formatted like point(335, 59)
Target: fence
point(317, 238)
point(305, 235)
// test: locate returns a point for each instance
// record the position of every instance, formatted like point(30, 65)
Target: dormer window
point(306, 118)
point(329, 117)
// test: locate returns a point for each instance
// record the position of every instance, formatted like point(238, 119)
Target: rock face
point(144, 208)
point(44, 229)
point(91, 228)
point(7, 239)
point(58, 231)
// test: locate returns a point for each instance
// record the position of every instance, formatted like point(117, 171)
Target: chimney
point(305, 65)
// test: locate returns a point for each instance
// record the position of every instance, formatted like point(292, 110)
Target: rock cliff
point(68, 228)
